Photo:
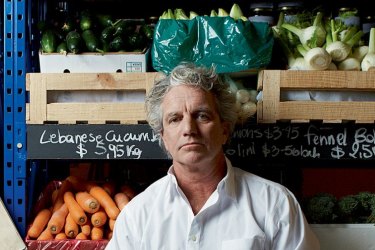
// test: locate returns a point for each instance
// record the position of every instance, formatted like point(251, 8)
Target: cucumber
point(136, 42)
point(104, 20)
point(147, 30)
point(117, 44)
point(85, 22)
point(62, 48)
point(91, 41)
point(74, 42)
point(124, 27)
point(48, 41)
point(68, 25)
point(107, 34)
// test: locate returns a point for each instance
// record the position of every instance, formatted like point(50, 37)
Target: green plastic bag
point(230, 45)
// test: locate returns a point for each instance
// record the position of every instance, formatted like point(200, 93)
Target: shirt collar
point(225, 187)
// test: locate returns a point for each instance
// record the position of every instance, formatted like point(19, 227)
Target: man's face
point(192, 130)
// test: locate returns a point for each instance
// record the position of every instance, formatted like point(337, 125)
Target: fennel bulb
point(369, 60)
point(339, 50)
point(350, 63)
point(360, 52)
point(316, 58)
point(312, 36)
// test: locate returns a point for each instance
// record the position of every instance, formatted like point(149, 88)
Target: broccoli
point(366, 201)
point(371, 217)
point(320, 208)
point(348, 209)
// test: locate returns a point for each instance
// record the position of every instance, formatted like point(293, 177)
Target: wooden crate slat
point(96, 111)
point(96, 81)
point(38, 99)
point(327, 110)
point(272, 82)
point(323, 80)
point(41, 85)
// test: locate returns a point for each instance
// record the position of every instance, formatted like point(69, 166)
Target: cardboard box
point(271, 108)
point(345, 236)
point(10, 239)
point(95, 62)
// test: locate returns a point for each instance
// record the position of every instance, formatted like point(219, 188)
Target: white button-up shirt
point(244, 212)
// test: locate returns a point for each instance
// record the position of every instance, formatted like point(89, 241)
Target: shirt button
point(193, 238)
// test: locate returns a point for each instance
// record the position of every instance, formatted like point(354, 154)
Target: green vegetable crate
point(91, 62)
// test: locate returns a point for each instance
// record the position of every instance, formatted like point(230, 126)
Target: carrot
point(75, 210)
point(97, 233)
point(121, 200)
point(111, 224)
point(54, 195)
point(110, 187)
point(81, 236)
point(45, 235)
point(61, 236)
point(71, 227)
point(105, 201)
point(86, 228)
point(65, 186)
point(39, 223)
point(88, 203)
point(57, 221)
point(99, 218)
point(128, 190)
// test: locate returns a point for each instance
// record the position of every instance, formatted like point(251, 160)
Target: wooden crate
point(41, 85)
point(271, 109)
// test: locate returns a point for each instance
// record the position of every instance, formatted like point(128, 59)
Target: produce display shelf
point(79, 108)
point(271, 108)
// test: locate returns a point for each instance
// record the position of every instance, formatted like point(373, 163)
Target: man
point(204, 202)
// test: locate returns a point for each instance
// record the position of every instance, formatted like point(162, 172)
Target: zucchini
point(48, 41)
point(74, 42)
point(91, 41)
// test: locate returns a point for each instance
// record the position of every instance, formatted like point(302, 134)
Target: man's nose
point(189, 126)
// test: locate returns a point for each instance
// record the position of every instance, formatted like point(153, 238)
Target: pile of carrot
point(80, 210)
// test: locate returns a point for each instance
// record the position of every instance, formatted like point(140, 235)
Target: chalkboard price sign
point(304, 141)
point(110, 141)
point(256, 141)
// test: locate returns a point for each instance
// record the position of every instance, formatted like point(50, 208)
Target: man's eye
point(203, 117)
point(173, 119)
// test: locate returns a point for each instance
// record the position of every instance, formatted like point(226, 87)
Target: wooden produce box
point(79, 108)
point(271, 108)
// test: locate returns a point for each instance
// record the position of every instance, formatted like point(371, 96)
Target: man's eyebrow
point(170, 114)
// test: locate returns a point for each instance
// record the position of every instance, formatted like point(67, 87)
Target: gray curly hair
point(191, 75)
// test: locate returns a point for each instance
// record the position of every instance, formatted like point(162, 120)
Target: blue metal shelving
point(15, 68)
point(1, 89)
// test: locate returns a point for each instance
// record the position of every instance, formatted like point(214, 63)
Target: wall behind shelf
point(338, 181)
point(139, 9)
